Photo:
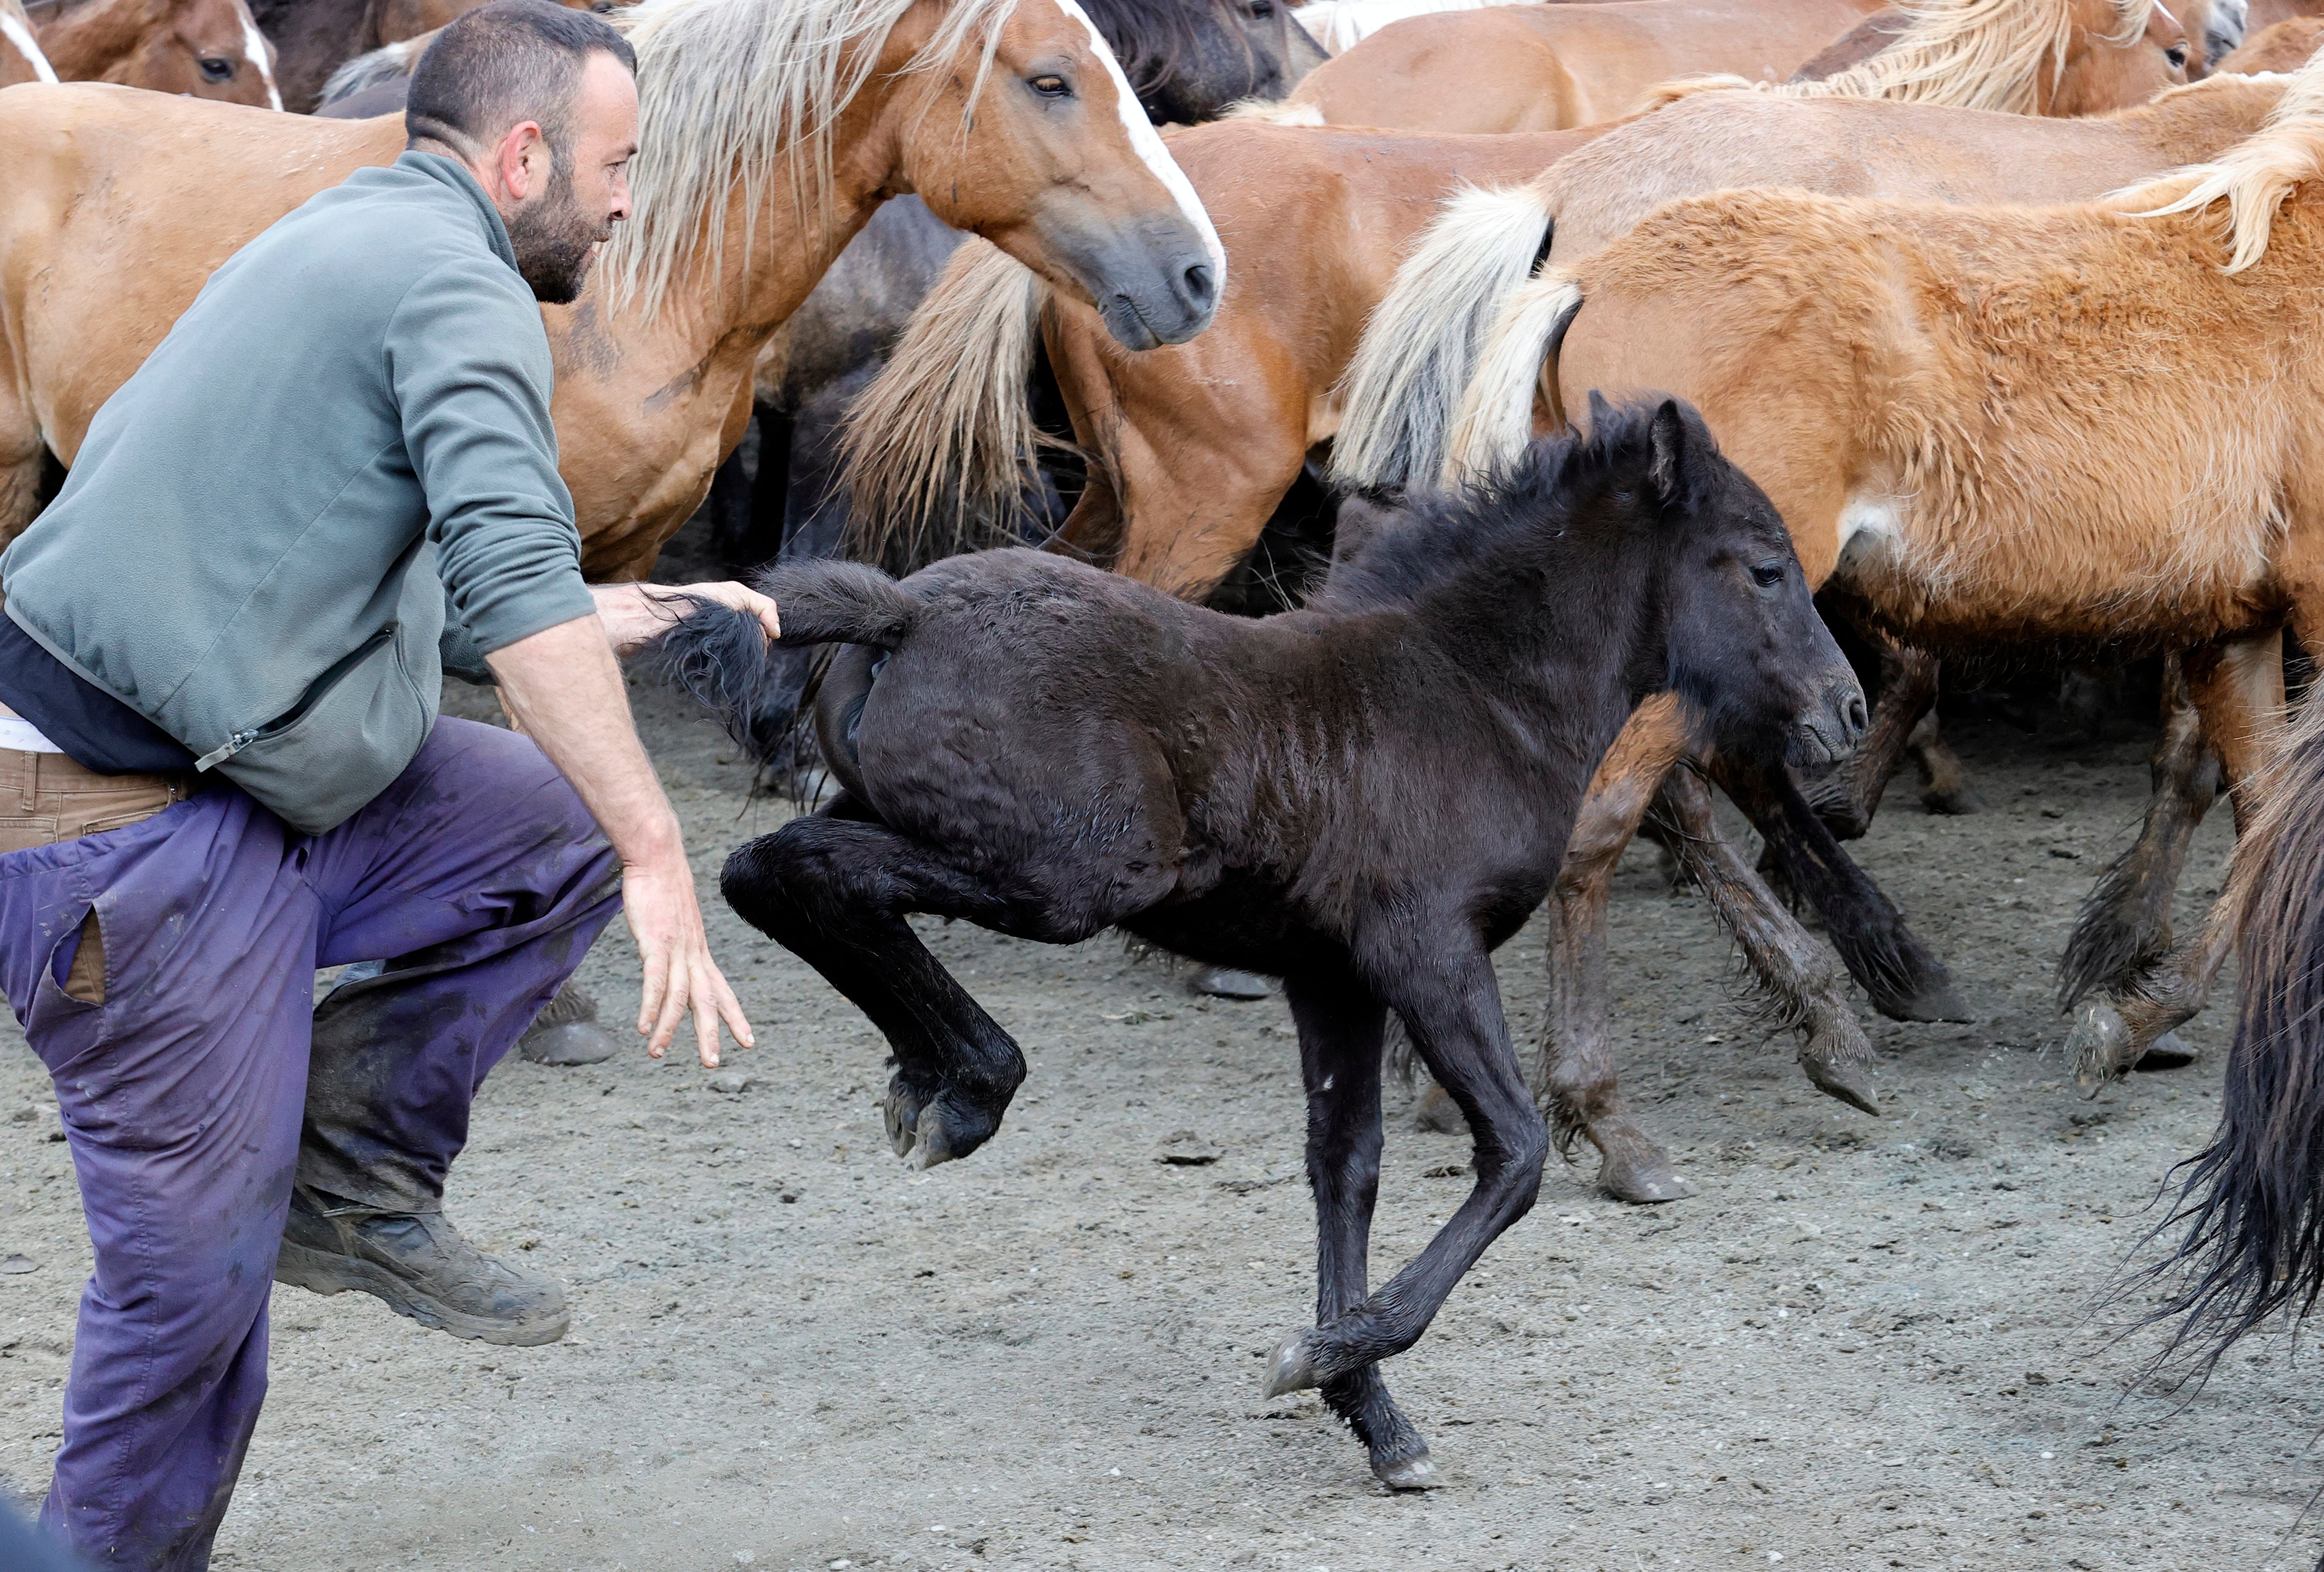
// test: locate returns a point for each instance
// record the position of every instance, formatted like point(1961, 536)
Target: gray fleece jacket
point(340, 457)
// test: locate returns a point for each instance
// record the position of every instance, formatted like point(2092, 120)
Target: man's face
point(556, 231)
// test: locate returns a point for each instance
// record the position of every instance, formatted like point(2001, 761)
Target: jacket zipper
point(289, 717)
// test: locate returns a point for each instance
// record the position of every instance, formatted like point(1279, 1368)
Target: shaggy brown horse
point(21, 60)
point(202, 48)
point(1364, 797)
point(1980, 423)
point(736, 219)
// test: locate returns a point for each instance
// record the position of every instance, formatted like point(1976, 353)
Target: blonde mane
point(16, 27)
point(1965, 54)
point(2252, 178)
point(729, 89)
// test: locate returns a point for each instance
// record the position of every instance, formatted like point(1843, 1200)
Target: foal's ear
point(1667, 443)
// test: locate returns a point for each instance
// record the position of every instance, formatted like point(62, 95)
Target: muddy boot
point(566, 1031)
point(418, 1263)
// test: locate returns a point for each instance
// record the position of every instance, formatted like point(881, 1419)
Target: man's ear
point(1667, 445)
point(524, 161)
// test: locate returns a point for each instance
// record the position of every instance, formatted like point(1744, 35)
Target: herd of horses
point(1985, 324)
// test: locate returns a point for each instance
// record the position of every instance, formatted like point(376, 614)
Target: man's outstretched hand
point(658, 902)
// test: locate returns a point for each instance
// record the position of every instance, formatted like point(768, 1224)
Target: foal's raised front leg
point(1451, 1008)
point(1341, 1025)
point(836, 892)
point(1847, 798)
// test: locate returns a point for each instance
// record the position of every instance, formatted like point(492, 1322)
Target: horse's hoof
point(1291, 1369)
point(1437, 1112)
point(1846, 1081)
point(1643, 1181)
point(901, 1111)
point(1418, 1472)
point(2100, 1047)
point(1958, 802)
point(2169, 1051)
point(1227, 982)
point(1937, 1002)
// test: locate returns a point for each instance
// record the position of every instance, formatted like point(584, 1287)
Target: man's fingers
point(730, 1008)
point(656, 959)
point(673, 1013)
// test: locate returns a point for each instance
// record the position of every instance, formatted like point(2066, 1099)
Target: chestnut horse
point(201, 48)
point(21, 60)
point(2285, 46)
point(738, 214)
point(1989, 427)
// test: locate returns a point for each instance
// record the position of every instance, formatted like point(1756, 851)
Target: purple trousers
point(186, 1095)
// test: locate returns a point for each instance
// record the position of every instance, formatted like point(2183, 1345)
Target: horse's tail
point(1495, 423)
point(1420, 348)
point(723, 659)
point(384, 64)
point(1274, 112)
point(939, 452)
point(2251, 1203)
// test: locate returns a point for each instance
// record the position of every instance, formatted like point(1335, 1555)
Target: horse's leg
point(1903, 979)
point(2237, 689)
point(1440, 981)
point(1806, 985)
point(2126, 924)
point(1846, 799)
point(1342, 1026)
point(22, 454)
point(1576, 1076)
point(1944, 782)
point(836, 892)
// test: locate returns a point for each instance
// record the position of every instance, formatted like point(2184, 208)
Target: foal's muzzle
point(1831, 728)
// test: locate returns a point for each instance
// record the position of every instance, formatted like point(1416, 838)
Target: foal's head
point(1743, 641)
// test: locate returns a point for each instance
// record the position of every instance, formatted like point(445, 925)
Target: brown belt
point(46, 798)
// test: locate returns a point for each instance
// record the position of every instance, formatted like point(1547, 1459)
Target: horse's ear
point(1667, 443)
point(1598, 409)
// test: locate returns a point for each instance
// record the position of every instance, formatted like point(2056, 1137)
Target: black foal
point(1364, 797)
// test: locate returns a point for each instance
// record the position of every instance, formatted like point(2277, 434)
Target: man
point(222, 768)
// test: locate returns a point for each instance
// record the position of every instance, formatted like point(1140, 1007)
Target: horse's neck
point(2194, 127)
point(84, 40)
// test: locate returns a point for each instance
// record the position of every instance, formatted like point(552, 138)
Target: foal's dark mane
point(1445, 534)
point(1157, 39)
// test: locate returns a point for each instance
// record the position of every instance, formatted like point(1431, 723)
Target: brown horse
point(314, 38)
point(738, 216)
point(201, 48)
point(1988, 426)
point(21, 60)
point(2286, 46)
point(1552, 67)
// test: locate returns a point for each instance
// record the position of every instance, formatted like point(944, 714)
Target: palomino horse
point(739, 213)
point(2284, 47)
point(1985, 425)
point(1365, 797)
point(1553, 67)
point(1418, 356)
point(21, 60)
point(203, 48)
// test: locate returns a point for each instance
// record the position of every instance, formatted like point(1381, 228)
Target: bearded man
point(335, 480)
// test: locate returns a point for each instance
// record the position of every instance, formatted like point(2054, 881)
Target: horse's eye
point(1052, 87)
point(216, 70)
point(2177, 55)
point(1767, 575)
point(1262, 9)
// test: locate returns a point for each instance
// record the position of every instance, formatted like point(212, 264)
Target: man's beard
point(556, 242)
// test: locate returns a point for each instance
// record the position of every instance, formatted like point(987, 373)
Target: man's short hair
point(509, 62)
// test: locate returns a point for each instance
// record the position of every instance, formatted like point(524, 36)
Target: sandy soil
point(1863, 1344)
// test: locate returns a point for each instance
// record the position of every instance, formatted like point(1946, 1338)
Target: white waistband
point(22, 736)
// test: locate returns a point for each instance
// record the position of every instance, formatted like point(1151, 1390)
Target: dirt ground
point(1863, 1344)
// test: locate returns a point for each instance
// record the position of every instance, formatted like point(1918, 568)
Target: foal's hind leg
point(836, 892)
point(1341, 1027)
point(1905, 981)
point(1801, 978)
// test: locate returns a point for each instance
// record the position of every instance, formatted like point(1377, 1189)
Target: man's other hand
point(635, 613)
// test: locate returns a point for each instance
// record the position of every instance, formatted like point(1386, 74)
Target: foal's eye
point(1767, 575)
point(1262, 9)
point(1052, 87)
point(216, 70)
point(2177, 55)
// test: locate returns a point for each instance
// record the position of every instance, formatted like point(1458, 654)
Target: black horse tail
point(723, 658)
point(2252, 1202)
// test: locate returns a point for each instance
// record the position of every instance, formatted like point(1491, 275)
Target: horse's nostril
point(1201, 284)
point(1853, 715)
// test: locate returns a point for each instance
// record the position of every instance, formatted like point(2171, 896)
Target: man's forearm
point(563, 686)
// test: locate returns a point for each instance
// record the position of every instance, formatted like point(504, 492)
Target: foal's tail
point(1420, 348)
point(1495, 423)
point(723, 657)
point(2253, 1201)
point(384, 64)
point(939, 451)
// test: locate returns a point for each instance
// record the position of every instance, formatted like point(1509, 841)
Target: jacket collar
point(452, 172)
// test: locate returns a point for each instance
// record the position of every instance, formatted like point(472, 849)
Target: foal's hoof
point(2169, 1051)
point(2100, 1046)
point(1939, 1001)
point(1846, 1081)
point(1418, 1472)
point(916, 1129)
point(1952, 803)
point(1291, 1369)
point(1642, 1179)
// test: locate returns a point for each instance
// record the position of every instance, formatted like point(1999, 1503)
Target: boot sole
point(326, 1273)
